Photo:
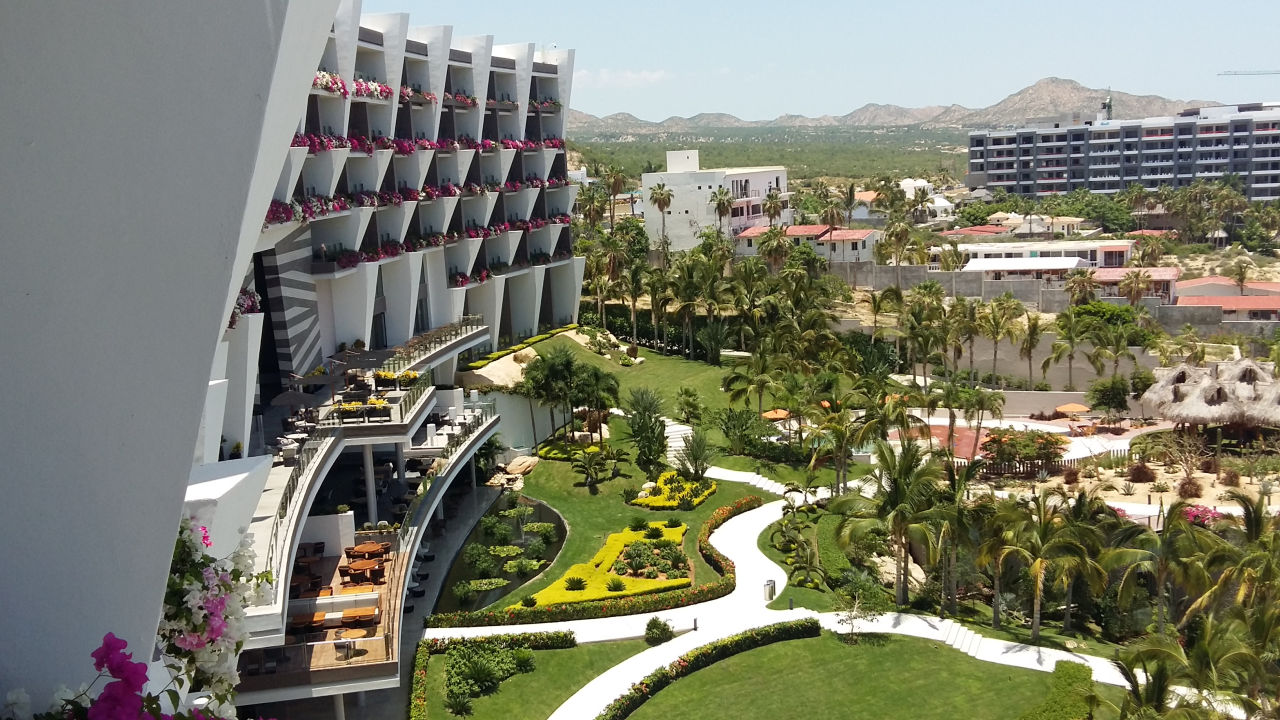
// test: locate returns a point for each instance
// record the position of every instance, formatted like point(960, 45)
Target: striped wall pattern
point(290, 295)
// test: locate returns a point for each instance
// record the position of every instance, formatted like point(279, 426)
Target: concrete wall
point(335, 531)
point(96, 489)
point(1020, 402)
point(1027, 291)
point(523, 426)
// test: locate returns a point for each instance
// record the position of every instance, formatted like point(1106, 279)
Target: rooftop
point(850, 235)
point(1234, 302)
point(1112, 275)
point(790, 231)
point(976, 230)
point(1024, 264)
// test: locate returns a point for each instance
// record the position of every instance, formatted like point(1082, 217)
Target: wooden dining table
point(364, 565)
point(360, 613)
point(358, 589)
point(365, 548)
point(352, 633)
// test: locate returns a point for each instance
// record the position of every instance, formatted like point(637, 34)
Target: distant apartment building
point(1106, 156)
point(691, 189)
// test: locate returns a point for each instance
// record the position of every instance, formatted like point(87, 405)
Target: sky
point(758, 60)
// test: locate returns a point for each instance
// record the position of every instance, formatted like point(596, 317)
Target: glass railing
point(422, 346)
point(473, 417)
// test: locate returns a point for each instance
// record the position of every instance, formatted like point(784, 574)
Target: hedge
point(705, 656)
point(498, 354)
point(666, 497)
point(621, 606)
point(558, 640)
point(598, 571)
point(1065, 700)
point(418, 690)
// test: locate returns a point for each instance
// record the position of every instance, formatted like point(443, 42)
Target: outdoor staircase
point(962, 638)
point(676, 434)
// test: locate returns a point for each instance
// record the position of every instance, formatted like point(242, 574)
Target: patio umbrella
point(776, 414)
point(315, 380)
point(1071, 408)
point(295, 399)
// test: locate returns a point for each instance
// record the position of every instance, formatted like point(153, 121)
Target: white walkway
point(744, 609)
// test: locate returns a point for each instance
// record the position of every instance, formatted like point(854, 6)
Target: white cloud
point(618, 79)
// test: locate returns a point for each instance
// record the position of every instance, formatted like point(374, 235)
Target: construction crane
point(1250, 72)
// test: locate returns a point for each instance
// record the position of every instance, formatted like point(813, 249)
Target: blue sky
point(758, 59)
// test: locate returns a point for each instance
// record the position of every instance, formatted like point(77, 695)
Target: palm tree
point(1133, 286)
point(1147, 252)
point(1071, 333)
point(772, 206)
point(996, 537)
point(887, 300)
point(834, 432)
point(755, 375)
point(695, 458)
point(751, 293)
point(1239, 273)
point(1029, 337)
point(593, 203)
point(592, 464)
point(906, 484)
point(1042, 541)
point(996, 323)
point(849, 199)
point(722, 201)
point(596, 390)
point(982, 402)
point(549, 379)
point(1081, 286)
point(774, 247)
point(687, 290)
point(958, 522)
point(660, 197)
point(896, 244)
point(1111, 343)
point(634, 283)
point(688, 405)
point(832, 213)
point(1160, 558)
point(615, 180)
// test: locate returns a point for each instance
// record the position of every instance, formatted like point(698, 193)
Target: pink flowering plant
point(1201, 515)
point(554, 143)
point(247, 301)
point(361, 144)
point(429, 97)
point(372, 89)
point(330, 82)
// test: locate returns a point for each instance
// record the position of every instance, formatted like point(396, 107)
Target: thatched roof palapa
point(1234, 392)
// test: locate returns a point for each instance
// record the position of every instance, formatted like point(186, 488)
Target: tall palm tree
point(660, 197)
point(751, 291)
point(834, 432)
point(549, 379)
point(896, 244)
point(634, 284)
point(906, 484)
point(722, 202)
point(964, 320)
point(958, 525)
point(849, 200)
point(1029, 337)
point(1081, 286)
point(1042, 541)
point(1111, 343)
point(1071, 333)
point(615, 179)
point(593, 203)
point(596, 390)
point(772, 206)
point(1239, 273)
point(754, 375)
point(996, 535)
point(887, 300)
point(982, 402)
point(774, 247)
point(1133, 286)
point(657, 288)
point(1147, 252)
point(1161, 558)
point(831, 215)
point(687, 291)
point(996, 323)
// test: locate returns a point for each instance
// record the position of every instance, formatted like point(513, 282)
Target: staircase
point(747, 477)
point(962, 638)
point(676, 434)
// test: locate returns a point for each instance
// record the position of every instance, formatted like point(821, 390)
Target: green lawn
point(820, 600)
point(823, 678)
point(977, 617)
point(785, 474)
point(592, 517)
point(559, 674)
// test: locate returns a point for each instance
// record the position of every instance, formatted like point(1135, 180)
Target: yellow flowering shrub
point(598, 571)
point(671, 489)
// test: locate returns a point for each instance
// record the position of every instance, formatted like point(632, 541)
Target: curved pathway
point(745, 608)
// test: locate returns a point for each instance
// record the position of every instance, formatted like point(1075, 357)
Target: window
point(748, 242)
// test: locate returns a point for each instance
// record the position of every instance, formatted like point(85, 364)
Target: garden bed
point(632, 562)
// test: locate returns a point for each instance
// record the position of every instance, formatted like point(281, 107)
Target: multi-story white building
point(414, 194)
point(691, 189)
point(1106, 156)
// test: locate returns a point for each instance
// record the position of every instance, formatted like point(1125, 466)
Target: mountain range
point(1048, 97)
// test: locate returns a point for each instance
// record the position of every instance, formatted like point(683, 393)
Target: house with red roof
point(1239, 307)
point(836, 244)
point(1164, 281)
point(1222, 286)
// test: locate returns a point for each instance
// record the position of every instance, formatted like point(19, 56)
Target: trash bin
point(770, 589)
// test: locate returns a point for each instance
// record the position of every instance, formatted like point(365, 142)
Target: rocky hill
point(1048, 97)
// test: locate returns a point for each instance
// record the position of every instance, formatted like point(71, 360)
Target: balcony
point(350, 633)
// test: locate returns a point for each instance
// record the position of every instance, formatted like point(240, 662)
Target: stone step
point(953, 630)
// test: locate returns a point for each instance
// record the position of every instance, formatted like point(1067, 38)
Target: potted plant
point(237, 451)
point(343, 509)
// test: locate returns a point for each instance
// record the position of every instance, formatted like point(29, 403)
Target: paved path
point(745, 608)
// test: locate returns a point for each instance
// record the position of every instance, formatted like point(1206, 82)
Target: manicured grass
point(559, 674)
point(820, 600)
point(977, 617)
point(823, 678)
point(785, 474)
point(592, 517)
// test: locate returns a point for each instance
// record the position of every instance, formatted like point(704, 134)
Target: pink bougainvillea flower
point(111, 645)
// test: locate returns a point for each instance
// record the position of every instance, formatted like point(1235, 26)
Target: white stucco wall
point(96, 486)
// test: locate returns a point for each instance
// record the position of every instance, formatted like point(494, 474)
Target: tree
point(906, 484)
point(722, 202)
point(648, 431)
point(660, 197)
point(615, 179)
point(712, 337)
point(688, 405)
point(695, 458)
point(657, 284)
point(634, 284)
point(982, 402)
point(755, 375)
point(591, 464)
point(1111, 344)
point(774, 247)
point(549, 379)
point(1133, 286)
point(1239, 273)
point(596, 390)
point(1109, 394)
point(1072, 333)
point(832, 213)
point(834, 433)
point(772, 206)
point(1029, 337)
point(1081, 286)
point(1147, 252)
point(996, 323)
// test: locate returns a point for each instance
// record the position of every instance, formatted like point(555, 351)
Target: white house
point(691, 189)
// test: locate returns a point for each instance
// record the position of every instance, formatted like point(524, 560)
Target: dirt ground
point(1211, 490)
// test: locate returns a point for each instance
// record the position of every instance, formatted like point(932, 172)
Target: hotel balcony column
point(339, 707)
point(370, 490)
point(400, 462)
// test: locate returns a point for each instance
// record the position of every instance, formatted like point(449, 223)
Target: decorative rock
point(524, 356)
point(642, 494)
point(639, 361)
point(649, 486)
point(522, 465)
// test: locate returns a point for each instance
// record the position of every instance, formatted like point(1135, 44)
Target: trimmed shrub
point(616, 585)
point(675, 493)
point(575, 583)
point(631, 605)
point(418, 689)
point(1189, 488)
point(528, 601)
point(1070, 476)
point(1066, 698)
point(637, 524)
point(1209, 465)
point(557, 640)
point(658, 631)
point(1141, 473)
point(1231, 477)
point(653, 533)
point(706, 656)
point(673, 522)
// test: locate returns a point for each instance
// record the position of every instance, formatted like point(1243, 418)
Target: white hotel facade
point(116, 331)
